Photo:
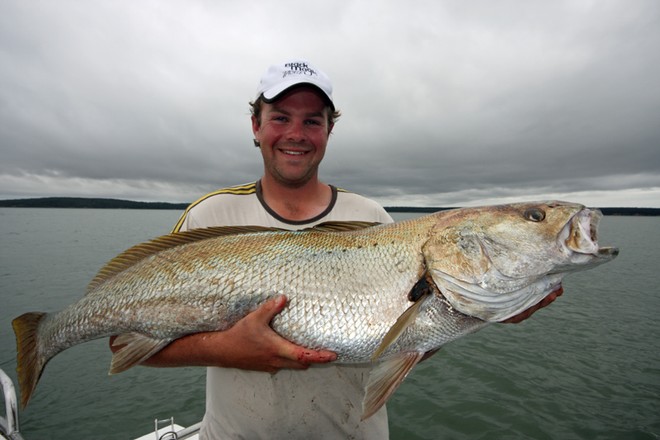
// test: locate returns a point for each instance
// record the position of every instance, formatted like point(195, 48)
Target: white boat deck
point(168, 430)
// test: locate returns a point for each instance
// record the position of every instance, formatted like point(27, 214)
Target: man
point(292, 118)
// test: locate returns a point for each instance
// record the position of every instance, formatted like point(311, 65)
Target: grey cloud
point(443, 102)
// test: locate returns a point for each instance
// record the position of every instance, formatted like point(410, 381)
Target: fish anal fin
point(137, 348)
point(385, 378)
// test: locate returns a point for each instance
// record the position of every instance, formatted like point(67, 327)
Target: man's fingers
point(306, 356)
point(267, 311)
point(302, 356)
point(291, 355)
point(529, 312)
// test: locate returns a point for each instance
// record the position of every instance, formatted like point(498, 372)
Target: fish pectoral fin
point(137, 348)
point(421, 291)
point(406, 319)
point(385, 378)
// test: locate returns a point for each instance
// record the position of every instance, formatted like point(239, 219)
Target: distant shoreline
point(90, 203)
point(101, 203)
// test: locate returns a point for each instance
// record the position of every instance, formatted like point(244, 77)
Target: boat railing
point(168, 434)
point(166, 429)
point(189, 432)
point(9, 428)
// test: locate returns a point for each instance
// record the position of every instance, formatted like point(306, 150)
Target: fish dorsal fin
point(422, 290)
point(341, 226)
point(385, 378)
point(141, 251)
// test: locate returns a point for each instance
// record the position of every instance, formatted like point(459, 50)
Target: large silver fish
point(385, 294)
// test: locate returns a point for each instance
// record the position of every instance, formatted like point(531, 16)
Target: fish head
point(495, 262)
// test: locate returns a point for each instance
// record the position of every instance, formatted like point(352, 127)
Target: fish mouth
point(580, 235)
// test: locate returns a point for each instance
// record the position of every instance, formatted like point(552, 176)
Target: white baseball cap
point(281, 77)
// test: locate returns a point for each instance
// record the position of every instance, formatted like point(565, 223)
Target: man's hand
point(251, 344)
point(527, 313)
point(255, 346)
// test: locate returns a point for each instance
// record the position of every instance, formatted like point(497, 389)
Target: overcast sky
point(444, 103)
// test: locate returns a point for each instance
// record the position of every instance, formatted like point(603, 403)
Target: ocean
point(587, 367)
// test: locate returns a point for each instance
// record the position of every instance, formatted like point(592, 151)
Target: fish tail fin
point(30, 363)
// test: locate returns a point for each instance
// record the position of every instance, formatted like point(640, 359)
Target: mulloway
point(383, 294)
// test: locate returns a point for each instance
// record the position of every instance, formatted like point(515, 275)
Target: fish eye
point(534, 215)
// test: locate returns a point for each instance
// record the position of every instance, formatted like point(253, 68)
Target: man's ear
point(255, 131)
point(255, 124)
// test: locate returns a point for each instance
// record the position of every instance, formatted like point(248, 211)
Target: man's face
point(293, 133)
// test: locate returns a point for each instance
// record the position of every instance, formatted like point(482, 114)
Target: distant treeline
point(92, 203)
point(631, 211)
point(95, 203)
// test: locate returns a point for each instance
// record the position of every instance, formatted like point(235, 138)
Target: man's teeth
point(294, 153)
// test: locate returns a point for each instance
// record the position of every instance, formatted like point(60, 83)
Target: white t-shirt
point(322, 402)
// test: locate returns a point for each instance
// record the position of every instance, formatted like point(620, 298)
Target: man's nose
point(296, 132)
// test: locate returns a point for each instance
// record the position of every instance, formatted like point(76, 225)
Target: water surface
point(588, 367)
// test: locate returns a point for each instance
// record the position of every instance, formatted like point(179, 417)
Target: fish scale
point(381, 294)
